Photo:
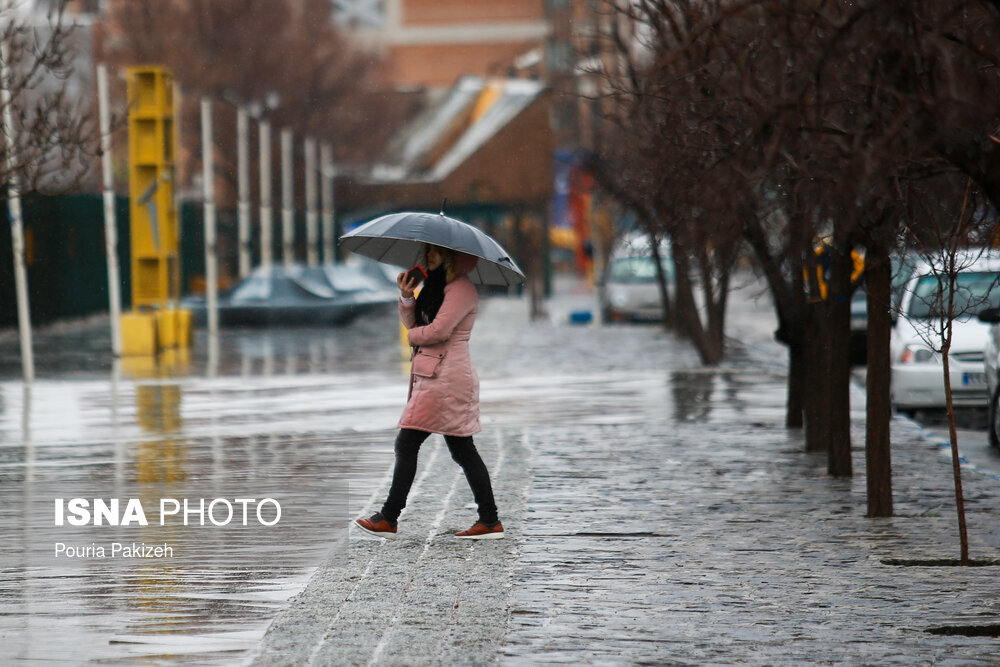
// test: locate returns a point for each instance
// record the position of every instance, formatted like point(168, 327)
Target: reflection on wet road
point(288, 417)
point(297, 416)
point(222, 583)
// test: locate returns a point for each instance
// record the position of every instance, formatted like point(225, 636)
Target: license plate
point(973, 379)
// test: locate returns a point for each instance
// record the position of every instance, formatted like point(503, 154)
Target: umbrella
point(399, 238)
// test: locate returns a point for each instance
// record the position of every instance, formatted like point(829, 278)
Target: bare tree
point(54, 135)
point(281, 58)
point(664, 156)
point(951, 244)
point(909, 91)
point(812, 120)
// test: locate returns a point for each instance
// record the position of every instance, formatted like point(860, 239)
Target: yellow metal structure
point(155, 260)
point(155, 270)
point(174, 327)
point(856, 271)
point(139, 334)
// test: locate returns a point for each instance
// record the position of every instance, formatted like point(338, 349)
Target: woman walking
point(444, 389)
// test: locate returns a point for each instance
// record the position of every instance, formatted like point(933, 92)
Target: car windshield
point(639, 269)
point(974, 291)
point(902, 269)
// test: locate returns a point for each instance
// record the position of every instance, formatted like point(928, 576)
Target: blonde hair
point(448, 259)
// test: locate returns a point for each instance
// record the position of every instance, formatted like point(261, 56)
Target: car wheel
point(994, 423)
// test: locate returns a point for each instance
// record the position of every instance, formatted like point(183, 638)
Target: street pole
point(175, 283)
point(110, 219)
point(312, 223)
point(287, 210)
point(16, 224)
point(326, 192)
point(208, 178)
point(266, 223)
point(243, 187)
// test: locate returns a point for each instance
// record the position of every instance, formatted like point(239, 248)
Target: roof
point(453, 128)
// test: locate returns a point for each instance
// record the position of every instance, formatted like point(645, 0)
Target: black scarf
point(431, 295)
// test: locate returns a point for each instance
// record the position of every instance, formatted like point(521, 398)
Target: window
point(638, 269)
point(974, 291)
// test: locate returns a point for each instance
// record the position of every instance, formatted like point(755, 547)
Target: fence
point(64, 254)
point(67, 267)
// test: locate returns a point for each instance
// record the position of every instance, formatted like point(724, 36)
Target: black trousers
point(463, 451)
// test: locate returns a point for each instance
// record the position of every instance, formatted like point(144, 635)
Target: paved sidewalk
point(657, 512)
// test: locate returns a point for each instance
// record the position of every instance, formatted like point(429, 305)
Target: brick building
point(459, 52)
point(486, 145)
point(432, 43)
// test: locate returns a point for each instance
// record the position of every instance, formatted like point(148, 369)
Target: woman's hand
point(406, 286)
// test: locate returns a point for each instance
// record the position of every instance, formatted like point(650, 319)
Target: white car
point(917, 370)
point(630, 290)
point(991, 364)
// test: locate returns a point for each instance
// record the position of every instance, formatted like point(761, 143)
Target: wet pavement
point(657, 511)
point(284, 414)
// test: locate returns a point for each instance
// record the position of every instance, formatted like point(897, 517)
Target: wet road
point(301, 416)
point(973, 447)
point(973, 441)
point(592, 430)
point(658, 513)
point(287, 415)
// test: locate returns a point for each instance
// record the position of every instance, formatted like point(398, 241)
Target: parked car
point(991, 366)
point(903, 265)
point(917, 372)
point(630, 290)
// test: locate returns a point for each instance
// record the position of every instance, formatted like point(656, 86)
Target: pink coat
point(444, 386)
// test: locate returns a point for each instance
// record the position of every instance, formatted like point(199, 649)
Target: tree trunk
point(789, 304)
point(794, 415)
point(839, 321)
point(669, 321)
point(956, 464)
point(817, 378)
point(530, 249)
point(878, 451)
point(687, 312)
point(687, 309)
point(715, 268)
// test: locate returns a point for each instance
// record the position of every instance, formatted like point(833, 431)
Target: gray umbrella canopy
point(399, 238)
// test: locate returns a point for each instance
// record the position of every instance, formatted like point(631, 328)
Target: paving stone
point(657, 512)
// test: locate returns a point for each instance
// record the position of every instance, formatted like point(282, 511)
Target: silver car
point(630, 291)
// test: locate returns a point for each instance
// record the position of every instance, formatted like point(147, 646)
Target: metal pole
point(266, 222)
point(110, 219)
point(175, 280)
point(287, 211)
point(16, 224)
point(208, 178)
point(243, 185)
point(312, 222)
point(329, 237)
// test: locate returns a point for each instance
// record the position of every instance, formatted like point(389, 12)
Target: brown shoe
point(482, 531)
point(377, 525)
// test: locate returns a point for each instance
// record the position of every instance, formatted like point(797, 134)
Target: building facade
point(431, 43)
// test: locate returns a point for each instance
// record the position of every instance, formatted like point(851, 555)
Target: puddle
point(290, 416)
point(218, 587)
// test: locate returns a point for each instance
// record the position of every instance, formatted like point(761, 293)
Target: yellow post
point(153, 216)
point(151, 185)
point(139, 334)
